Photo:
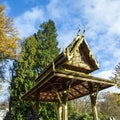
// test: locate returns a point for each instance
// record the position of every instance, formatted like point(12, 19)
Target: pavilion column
point(64, 109)
point(59, 111)
point(65, 114)
point(93, 97)
point(62, 105)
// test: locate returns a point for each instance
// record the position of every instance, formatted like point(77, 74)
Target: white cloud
point(104, 74)
point(65, 37)
point(26, 23)
point(58, 10)
point(107, 75)
point(53, 9)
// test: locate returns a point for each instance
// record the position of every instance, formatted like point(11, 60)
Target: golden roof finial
point(78, 30)
point(84, 30)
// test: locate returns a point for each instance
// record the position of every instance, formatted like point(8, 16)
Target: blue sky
point(101, 18)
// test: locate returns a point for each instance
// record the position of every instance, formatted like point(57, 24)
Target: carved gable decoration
point(79, 56)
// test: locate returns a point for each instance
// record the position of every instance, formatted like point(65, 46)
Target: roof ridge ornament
point(78, 30)
point(84, 31)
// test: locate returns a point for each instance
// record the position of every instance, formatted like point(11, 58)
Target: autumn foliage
point(8, 36)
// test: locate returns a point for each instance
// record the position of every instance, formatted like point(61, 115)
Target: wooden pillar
point(59, 111)
point(93, 97)
point(62, 105)
point(64, 112)
point(62, 101)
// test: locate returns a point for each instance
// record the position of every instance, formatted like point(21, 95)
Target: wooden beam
point(36, 88)
point(78, 91)
point(85, 87)
point(71, 94)
point(88, 79)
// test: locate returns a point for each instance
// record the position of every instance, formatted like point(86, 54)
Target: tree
point(82, 105)
point(81, 110)
point(48, 51)
point(116, 76)
point(8, 36)
point(8, 40)
point(109, 106)
point(23, 77)
point(37, 52)
point(48, 37)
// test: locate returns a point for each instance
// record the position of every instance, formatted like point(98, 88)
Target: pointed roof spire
point(84, 30)
point(78, 30)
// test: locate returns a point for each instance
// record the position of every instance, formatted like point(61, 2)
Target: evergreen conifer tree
point(37, 52)
point(23, 77)
point(48, 51)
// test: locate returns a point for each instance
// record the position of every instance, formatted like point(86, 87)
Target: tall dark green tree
point(37, 52)
point(48, 50)
point(24, 74)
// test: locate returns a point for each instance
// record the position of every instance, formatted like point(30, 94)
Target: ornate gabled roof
point(79, 56)
point(69, 72)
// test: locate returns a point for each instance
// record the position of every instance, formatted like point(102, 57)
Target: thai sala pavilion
point(68, 78)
